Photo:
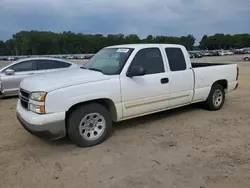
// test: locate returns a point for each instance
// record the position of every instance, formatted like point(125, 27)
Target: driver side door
point(147, 93)
point(11, 83)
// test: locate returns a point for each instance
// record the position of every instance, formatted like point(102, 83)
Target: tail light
point(238, 72)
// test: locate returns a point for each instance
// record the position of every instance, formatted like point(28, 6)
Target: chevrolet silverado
point(119, 83)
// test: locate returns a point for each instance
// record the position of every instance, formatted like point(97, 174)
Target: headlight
point(38, 96)
point(37, 108)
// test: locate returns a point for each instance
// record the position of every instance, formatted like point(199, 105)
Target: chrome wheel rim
point(217, 97)
point(92, 126)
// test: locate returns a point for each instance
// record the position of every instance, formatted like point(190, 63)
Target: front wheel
point(216, 98)
point(89, 125)
point(246, 59)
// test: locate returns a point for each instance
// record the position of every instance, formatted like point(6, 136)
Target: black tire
point(209, 103)
point(246, 59)
point(76, 117)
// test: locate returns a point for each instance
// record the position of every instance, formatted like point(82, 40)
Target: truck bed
point(205, 74)
point(197, 65)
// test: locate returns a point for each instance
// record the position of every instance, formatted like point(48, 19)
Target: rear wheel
point(216, 98)
point(89, 125)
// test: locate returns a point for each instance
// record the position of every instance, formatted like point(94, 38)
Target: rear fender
point(0, 85)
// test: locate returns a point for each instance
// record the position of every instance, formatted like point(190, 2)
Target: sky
point(144, 17)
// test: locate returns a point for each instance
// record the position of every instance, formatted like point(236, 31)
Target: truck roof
point(143, 45)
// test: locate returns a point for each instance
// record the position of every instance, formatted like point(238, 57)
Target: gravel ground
point(186, 147)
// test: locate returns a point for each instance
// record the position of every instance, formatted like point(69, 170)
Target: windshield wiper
point(82, 67)
point(93, 69)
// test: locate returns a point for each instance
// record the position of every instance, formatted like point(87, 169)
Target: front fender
point(0, 85)
point(62, 99)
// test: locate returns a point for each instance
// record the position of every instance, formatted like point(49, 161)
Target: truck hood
point(59, 79)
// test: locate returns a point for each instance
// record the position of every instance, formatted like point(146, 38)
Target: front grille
point(24, 93)
point(24, 104)
point(24, 98)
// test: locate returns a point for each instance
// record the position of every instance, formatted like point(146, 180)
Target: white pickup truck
point(119, 83)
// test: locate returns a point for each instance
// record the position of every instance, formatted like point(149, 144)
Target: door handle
point(164, 80)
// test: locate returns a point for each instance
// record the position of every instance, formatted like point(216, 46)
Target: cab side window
point(176, 59)
point(150, 59)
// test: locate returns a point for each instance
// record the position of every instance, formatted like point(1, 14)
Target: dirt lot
point(187, 147)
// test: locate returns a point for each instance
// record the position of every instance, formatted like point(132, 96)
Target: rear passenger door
point(147, 93)
point(51, 65)
point(181, 77)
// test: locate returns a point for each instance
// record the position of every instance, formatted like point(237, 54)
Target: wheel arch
point(107, 103)
point(222, 82)
point(209, 103)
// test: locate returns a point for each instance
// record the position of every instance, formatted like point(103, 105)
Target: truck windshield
point(109, 61)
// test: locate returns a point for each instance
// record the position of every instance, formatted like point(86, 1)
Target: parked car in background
point(214, 53)
point(239, 51)
point(206, 54)
point(119, 83)
point(246, 51)
point(11, 58)
point(88, 56)
point(247, 58)
point(70, 57)
point(12, 74)
point(2, 58)
point(222, 53)
point(228, 52)
point(80, 57)
point(191, 56)
point(195, 55)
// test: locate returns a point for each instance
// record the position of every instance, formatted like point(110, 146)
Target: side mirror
point(136, 71)
point(9, 72)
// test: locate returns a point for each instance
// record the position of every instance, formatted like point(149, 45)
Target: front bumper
point(47, 126)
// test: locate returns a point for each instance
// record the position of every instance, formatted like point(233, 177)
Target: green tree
point(3, 48)
point(45, 42)
point(222, 41)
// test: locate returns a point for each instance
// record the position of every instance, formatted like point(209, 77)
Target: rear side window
point(24, 66)
point(176, 59)
point(51, 64)
point(150, 59)
point(61, 64)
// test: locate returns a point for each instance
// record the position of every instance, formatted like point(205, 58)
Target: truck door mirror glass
point(137, 70)
point(9, 71)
